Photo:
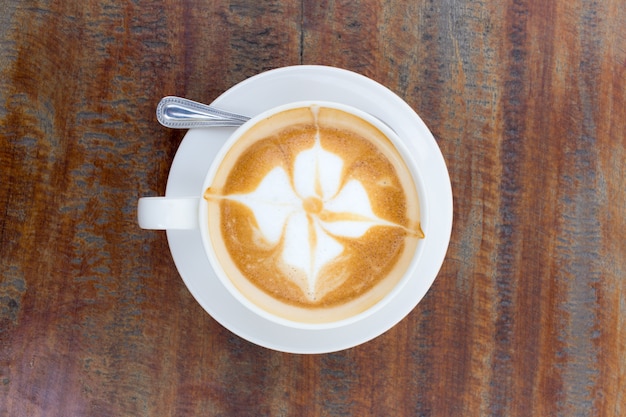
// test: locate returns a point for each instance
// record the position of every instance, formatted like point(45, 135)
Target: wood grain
point(527, 100)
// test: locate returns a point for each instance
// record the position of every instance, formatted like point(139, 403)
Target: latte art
point(318, 215)
point(308, 212)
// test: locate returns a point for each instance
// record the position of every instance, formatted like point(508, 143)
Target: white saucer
point(263, 92)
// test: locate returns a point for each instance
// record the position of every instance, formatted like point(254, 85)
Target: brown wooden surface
point(527, 100)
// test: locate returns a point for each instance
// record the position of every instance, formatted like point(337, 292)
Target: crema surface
point(313, 215)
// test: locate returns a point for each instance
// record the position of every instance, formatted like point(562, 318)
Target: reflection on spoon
point(182, 113)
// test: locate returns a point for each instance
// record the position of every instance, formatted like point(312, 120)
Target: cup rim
point(412, 165)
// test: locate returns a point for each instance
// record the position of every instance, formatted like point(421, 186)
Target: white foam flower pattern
point(310, 210)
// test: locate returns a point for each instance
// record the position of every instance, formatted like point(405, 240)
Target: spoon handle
point(182, 113)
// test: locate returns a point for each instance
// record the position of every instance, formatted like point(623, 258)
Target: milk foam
point(272, 202)
point(309, 235)
point(317, 172)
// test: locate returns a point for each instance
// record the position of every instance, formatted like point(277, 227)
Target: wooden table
point(527, 100)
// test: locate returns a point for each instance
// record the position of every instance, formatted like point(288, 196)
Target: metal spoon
point(182, 113)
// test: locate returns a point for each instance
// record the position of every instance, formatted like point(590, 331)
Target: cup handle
point(162, 213)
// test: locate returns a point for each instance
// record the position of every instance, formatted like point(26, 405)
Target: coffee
point(313, 214)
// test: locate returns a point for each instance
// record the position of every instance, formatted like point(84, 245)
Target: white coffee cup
point(167, 213)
